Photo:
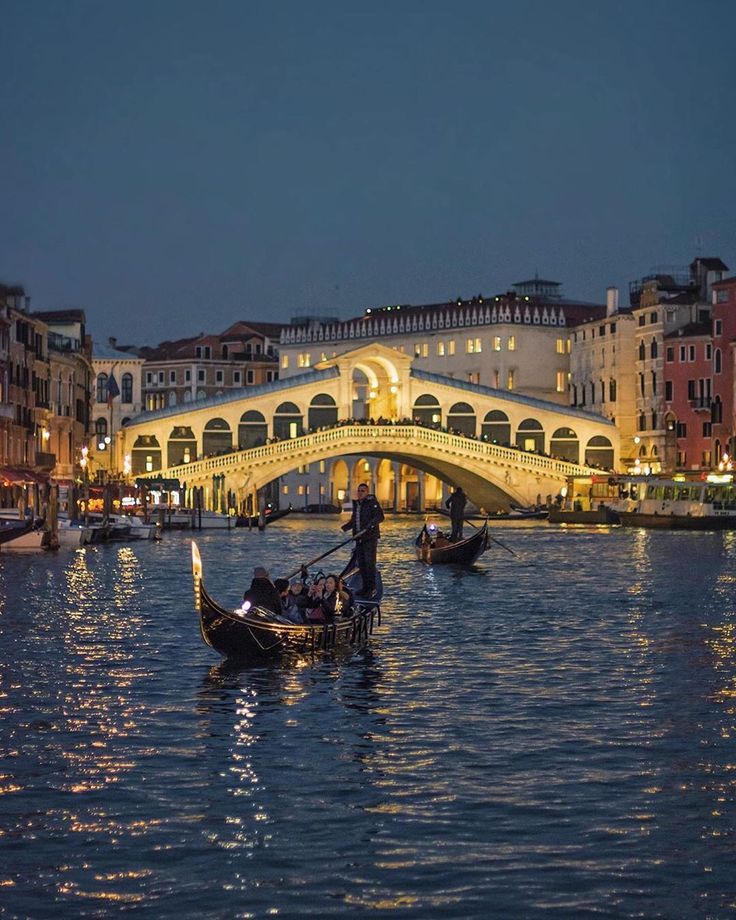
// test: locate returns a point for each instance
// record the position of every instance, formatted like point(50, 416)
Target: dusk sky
point(172, 167)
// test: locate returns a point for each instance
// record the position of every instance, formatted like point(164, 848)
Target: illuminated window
point(284, 490)
point(300, 490)
point(441, 349)
point(284, 361)
point(497, 343)
point(510, 380)
point(149, 463)
point(561, 382)
point(512, 343)
point(425, 350)
point(417, 349)
point(496, 379)
point(321, 466)
point(451, 347)
point(560, 346)
point(304, 359)
point(470, 347)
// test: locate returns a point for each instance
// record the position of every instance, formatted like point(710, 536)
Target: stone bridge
point(498, 445)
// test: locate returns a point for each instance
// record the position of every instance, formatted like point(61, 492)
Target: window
point(613, 328)
point(172, 376)
point(691, 389)
point(284, 361)
point(641, 384)
point(425, 349)
point(683, 354)
point(470, 347)
point(101, 388)
point(721, 297)
point(126, 388)
point(654, 421)
point(560, 381)
point(161, 378)
point(612, 390)
point(417, 349)
point(478, 346)
point(642, 351)
point(474, 377)
point(187, 376)
point(653, 317)
point(691, 353)
point(642, 319)
point(237, 377)
point(496, 379)
point(497, 343)
point(219, 376)
point(250, 376)
point(321, 466)
point(653, 348)
point(441, 349)
point(717, 361)
point(200, 376)
point(654, 383)
point(668, 390)
point(100, 428)
point(707, 429)
point(511, 343)
point(304, 359)
point(708, 351)
point(451, 347)
point(718, 327)
point(510, 380)
point(681, 430)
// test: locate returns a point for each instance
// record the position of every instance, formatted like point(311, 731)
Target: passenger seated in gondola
point(315, 612)
point(262, 592)
point(435, 537)
point(335, 599)
point(289, 608)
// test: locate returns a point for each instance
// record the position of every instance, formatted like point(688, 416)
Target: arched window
point(653, 348)
point(126, 388)
point(288, 421)
point(252, 430)
point(172, 397)
point(599, 452)
point(565, 445)
point(496, 428)
point(101, 394)
point(427, 410)
point(322, 411)
point(100, 428)
point(181, 446)
point(717, 361)
point(216, 437)
point(642, 351)
point(461, 417)
point(530, 435)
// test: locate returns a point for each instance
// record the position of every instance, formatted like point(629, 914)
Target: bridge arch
point(145, 454)
point(288, 421)
point(217, 437)
point(496, 427)
point(181, 446)
point(565, 444)
point(461, 417)
point(322, 411)
point(252, 429)
point(530, 435)
point(427, 410)
point(599, 452)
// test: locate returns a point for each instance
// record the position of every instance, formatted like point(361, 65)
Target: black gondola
point(269, 516)
point(258, 633)
point(436, 549)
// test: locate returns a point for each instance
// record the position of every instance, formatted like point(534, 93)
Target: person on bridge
point(456, 503)
point(367, 515)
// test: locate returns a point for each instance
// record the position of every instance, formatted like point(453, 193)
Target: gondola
point(269, 516)
point(433, 547)
point(260, 634)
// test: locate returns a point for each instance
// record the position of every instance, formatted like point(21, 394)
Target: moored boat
point(256, 520)
point(434, 548)
point(650, 501)
point(257, 633)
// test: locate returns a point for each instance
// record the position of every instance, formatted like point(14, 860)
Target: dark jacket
point(263, 593)
point(456, 503)
point(367, 513)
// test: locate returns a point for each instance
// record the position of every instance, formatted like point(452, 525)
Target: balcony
point(701, 402)
point(45, 461)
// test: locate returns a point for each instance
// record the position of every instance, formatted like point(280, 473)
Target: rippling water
point(550, 733)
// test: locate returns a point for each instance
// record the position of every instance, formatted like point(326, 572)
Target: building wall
point(688, 384)
point(724, 380)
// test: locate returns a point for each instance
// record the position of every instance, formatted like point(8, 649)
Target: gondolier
point(367, 515)
point(456, 503)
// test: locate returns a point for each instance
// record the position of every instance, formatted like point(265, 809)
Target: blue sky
point(172, 167)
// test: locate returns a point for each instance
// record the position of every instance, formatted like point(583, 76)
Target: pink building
point(724, 378)
point(688, 396)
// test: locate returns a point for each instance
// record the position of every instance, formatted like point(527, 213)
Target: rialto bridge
point(501, 447)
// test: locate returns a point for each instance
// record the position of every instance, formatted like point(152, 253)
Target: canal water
point(548, 734)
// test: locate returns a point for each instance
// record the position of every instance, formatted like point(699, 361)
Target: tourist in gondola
point(299, 596)
point(456, 503)
point(289, 608)
point(335, 599)
point(263, 592)
point(364, 523)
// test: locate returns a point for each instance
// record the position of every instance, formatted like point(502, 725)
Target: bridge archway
point(181, 446)
point(322, 412)
point(288, 421)
point(599, 452)
point(252, 429)
point(461, 417)
point(217, 438)
point(145, 454)
point(564, 444)
point(496, 427)
point(427, 410)
point(530, 435)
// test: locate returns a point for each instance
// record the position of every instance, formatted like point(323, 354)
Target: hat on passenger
point(260, 572)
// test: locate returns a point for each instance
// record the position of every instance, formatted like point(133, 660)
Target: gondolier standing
point(367, 515)
point(456, 503)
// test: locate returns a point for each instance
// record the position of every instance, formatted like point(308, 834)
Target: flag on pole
point(113, 389)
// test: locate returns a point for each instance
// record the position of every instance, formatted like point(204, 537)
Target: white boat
point(26, 538)
point(137, 529)
point(179, 518)
point(652, 501)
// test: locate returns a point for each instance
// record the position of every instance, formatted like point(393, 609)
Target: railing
point(701, 402)
point(45, 460)
point(375, 435)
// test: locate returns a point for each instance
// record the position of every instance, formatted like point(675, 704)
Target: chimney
point(611, 301)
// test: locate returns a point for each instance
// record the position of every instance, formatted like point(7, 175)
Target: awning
point(18, 476)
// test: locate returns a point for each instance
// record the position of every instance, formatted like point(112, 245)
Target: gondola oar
point(328, 553)
point(493, 539)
